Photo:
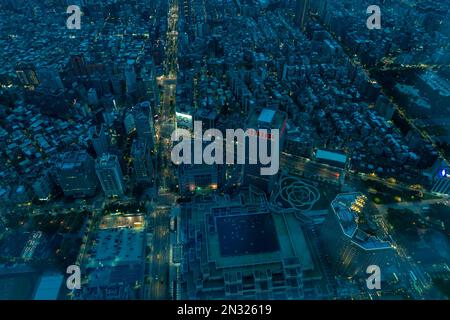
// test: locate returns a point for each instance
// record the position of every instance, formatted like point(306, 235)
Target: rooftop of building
point(242, 232)
point(49, 287)
point(246, 234)
point(331, 156)
point(119, 241)
point(349, 209)
point(436, 82)
point(73, 159)
point(106, 159)
point(267, 119)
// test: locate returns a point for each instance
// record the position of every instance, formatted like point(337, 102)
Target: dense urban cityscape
point(346, 102)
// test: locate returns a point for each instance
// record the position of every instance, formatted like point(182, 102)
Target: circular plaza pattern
point(294, 195)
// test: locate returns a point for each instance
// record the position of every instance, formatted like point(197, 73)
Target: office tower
point(267, 119)
point(351, 238)
point(43, 187)
point(200, 178)
point(130, 77)
point(78, 65)
point(76, 174)
point(100, 140)
point(301, 13)
point(319, 7)
point(49, 78)
point(142, 162)
point(128, 122)
point(13, 4)
point(143, 121)
point(150, 84)
point(384, 107)
point(116, 84)
point(92, 97)
point(26, 74)
point(441, 182)
point(110, 175)
point(207, 117)
point(436, 87)
point(323, 7)
point(81, 109)
point(21, 194)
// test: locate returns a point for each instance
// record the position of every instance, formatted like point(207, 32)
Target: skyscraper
point(110, 175)
point(143, 120)
point(26, 74)
point(266, 119)
point(441, 183)
point(92, 97)
point(199, 178)
point(100, 140)
point(142, 162)
point(49, 78)
point(78, 65)
point(150, 84)
point(130, 77)
point(76, 174)
point(301, 11)
point(350, 237)
point(42, 187)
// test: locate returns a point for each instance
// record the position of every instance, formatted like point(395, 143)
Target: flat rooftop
point(258, 239)
point(292, 240)
point(114, 246)
point(49, 287)
point(246, 234)
point(266, 116)
point(74, 159)
point(119, 240)
point(267, 119)
point(348, 208)
point(331, 156)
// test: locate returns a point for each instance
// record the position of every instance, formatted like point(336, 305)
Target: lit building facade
point(110, 175)
point(76, 174)
point(350, 238)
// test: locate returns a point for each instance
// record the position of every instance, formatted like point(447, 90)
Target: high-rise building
point(319, 7)
point(92, 97)
point(130, 77)
point(143, 121)
point(150, 84)
point(21, 194)
point(78, 65)
point(76, 174)
point(142, 162)
point(49, 78)
point(110, 175)
point(384, 107)
point(26, 74)
point(441, 183)
point(128, 122)
point(351, 238)
point(199, 178)
point(207, 117)
point(43, 187)
point(100, 140)
point(301, 13)
point(266, 119)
